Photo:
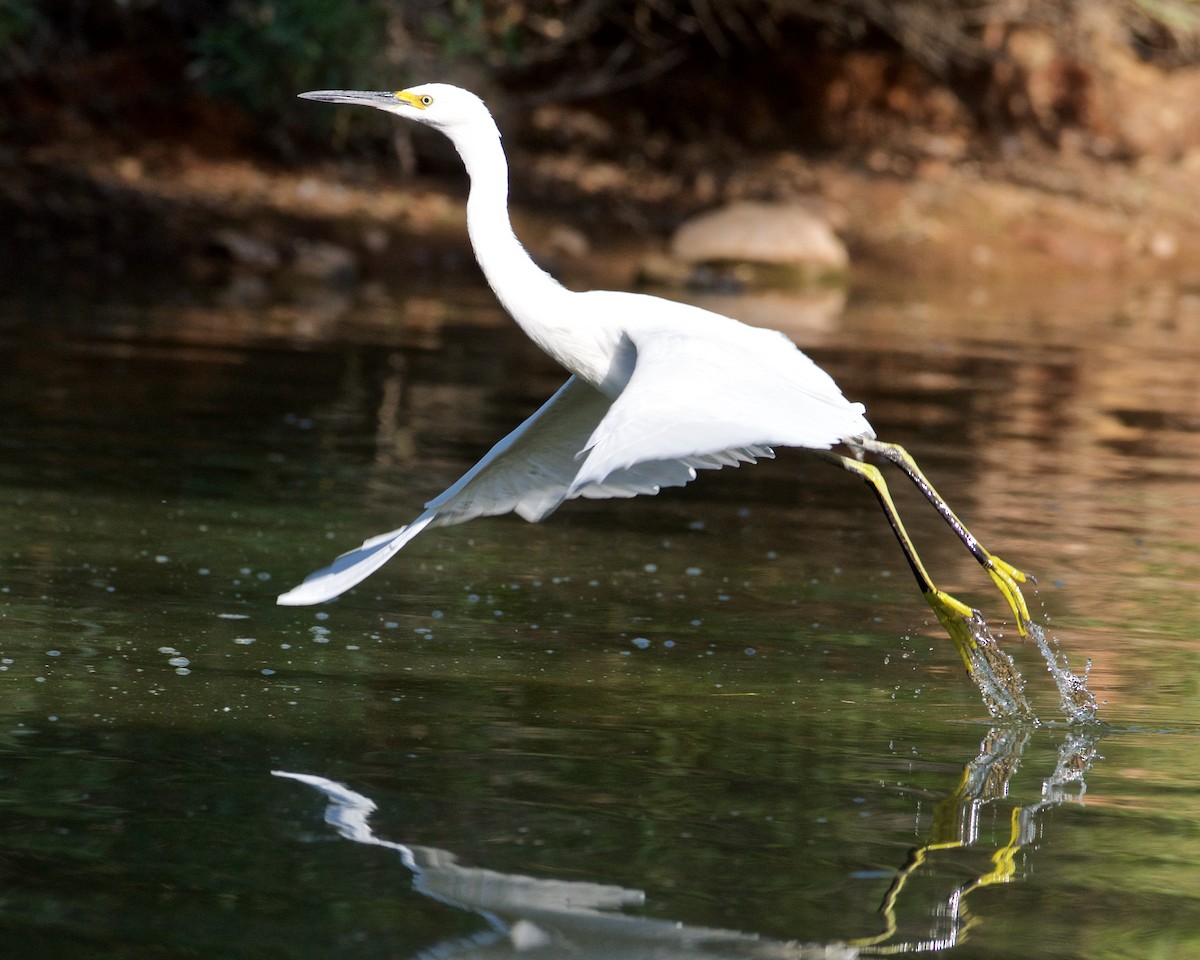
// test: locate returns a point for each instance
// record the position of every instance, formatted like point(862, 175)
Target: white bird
point(658, 389)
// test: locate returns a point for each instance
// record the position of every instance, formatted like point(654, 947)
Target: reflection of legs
point(954, 615)
point(1004, 575)
point(984, 781)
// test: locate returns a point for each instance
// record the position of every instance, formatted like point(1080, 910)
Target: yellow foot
point(1007, 577)
point(991, 668)
point(956, 617)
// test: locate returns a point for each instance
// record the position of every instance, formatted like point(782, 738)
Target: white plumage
point(658, 389)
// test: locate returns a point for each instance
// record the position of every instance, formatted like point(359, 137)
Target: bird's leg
point(954, 615)
point(1004, 575)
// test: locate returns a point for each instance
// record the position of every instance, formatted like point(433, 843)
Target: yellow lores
point(420, 101)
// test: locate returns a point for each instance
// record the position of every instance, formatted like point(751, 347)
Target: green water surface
point(724, 708)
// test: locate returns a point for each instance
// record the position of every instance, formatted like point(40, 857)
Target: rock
point(660, 270)
point(787, 239)
point(568, 242)
point(1163, 245)
point(244, 250)
point(321, 260)
point(376, 240)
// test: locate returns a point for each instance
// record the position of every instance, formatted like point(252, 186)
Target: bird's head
point(437, 105)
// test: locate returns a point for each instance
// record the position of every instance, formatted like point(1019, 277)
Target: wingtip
point(301, 596)
point(351, 568)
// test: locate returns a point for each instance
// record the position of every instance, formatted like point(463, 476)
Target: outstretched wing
point(528, 471)
point(692, 396)
point(531, 471)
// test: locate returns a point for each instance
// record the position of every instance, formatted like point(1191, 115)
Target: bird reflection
point(534, 917)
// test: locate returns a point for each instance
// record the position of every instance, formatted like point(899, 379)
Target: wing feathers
point(693, 402)
point(717, 400)
point(352, 568)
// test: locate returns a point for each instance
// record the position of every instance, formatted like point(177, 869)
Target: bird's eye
point(426, 101)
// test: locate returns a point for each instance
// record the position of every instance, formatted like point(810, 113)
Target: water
point(718, 722)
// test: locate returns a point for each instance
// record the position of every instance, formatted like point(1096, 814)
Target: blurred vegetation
point(142, 59)
point(261, 53)
point(17, 19)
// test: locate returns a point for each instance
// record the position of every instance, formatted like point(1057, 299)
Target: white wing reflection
point(531, 917)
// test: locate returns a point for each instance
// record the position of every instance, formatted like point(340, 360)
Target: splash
point(1000, 682)
point(995, 674)
point(1076, 701)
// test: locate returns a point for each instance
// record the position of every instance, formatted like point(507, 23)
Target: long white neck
point(556, 319)
point(524, 289)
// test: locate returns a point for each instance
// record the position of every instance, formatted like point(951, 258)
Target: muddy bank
point(1051, 155)
point(110, 215)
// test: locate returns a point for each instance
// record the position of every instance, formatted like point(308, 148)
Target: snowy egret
point(658, 390)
